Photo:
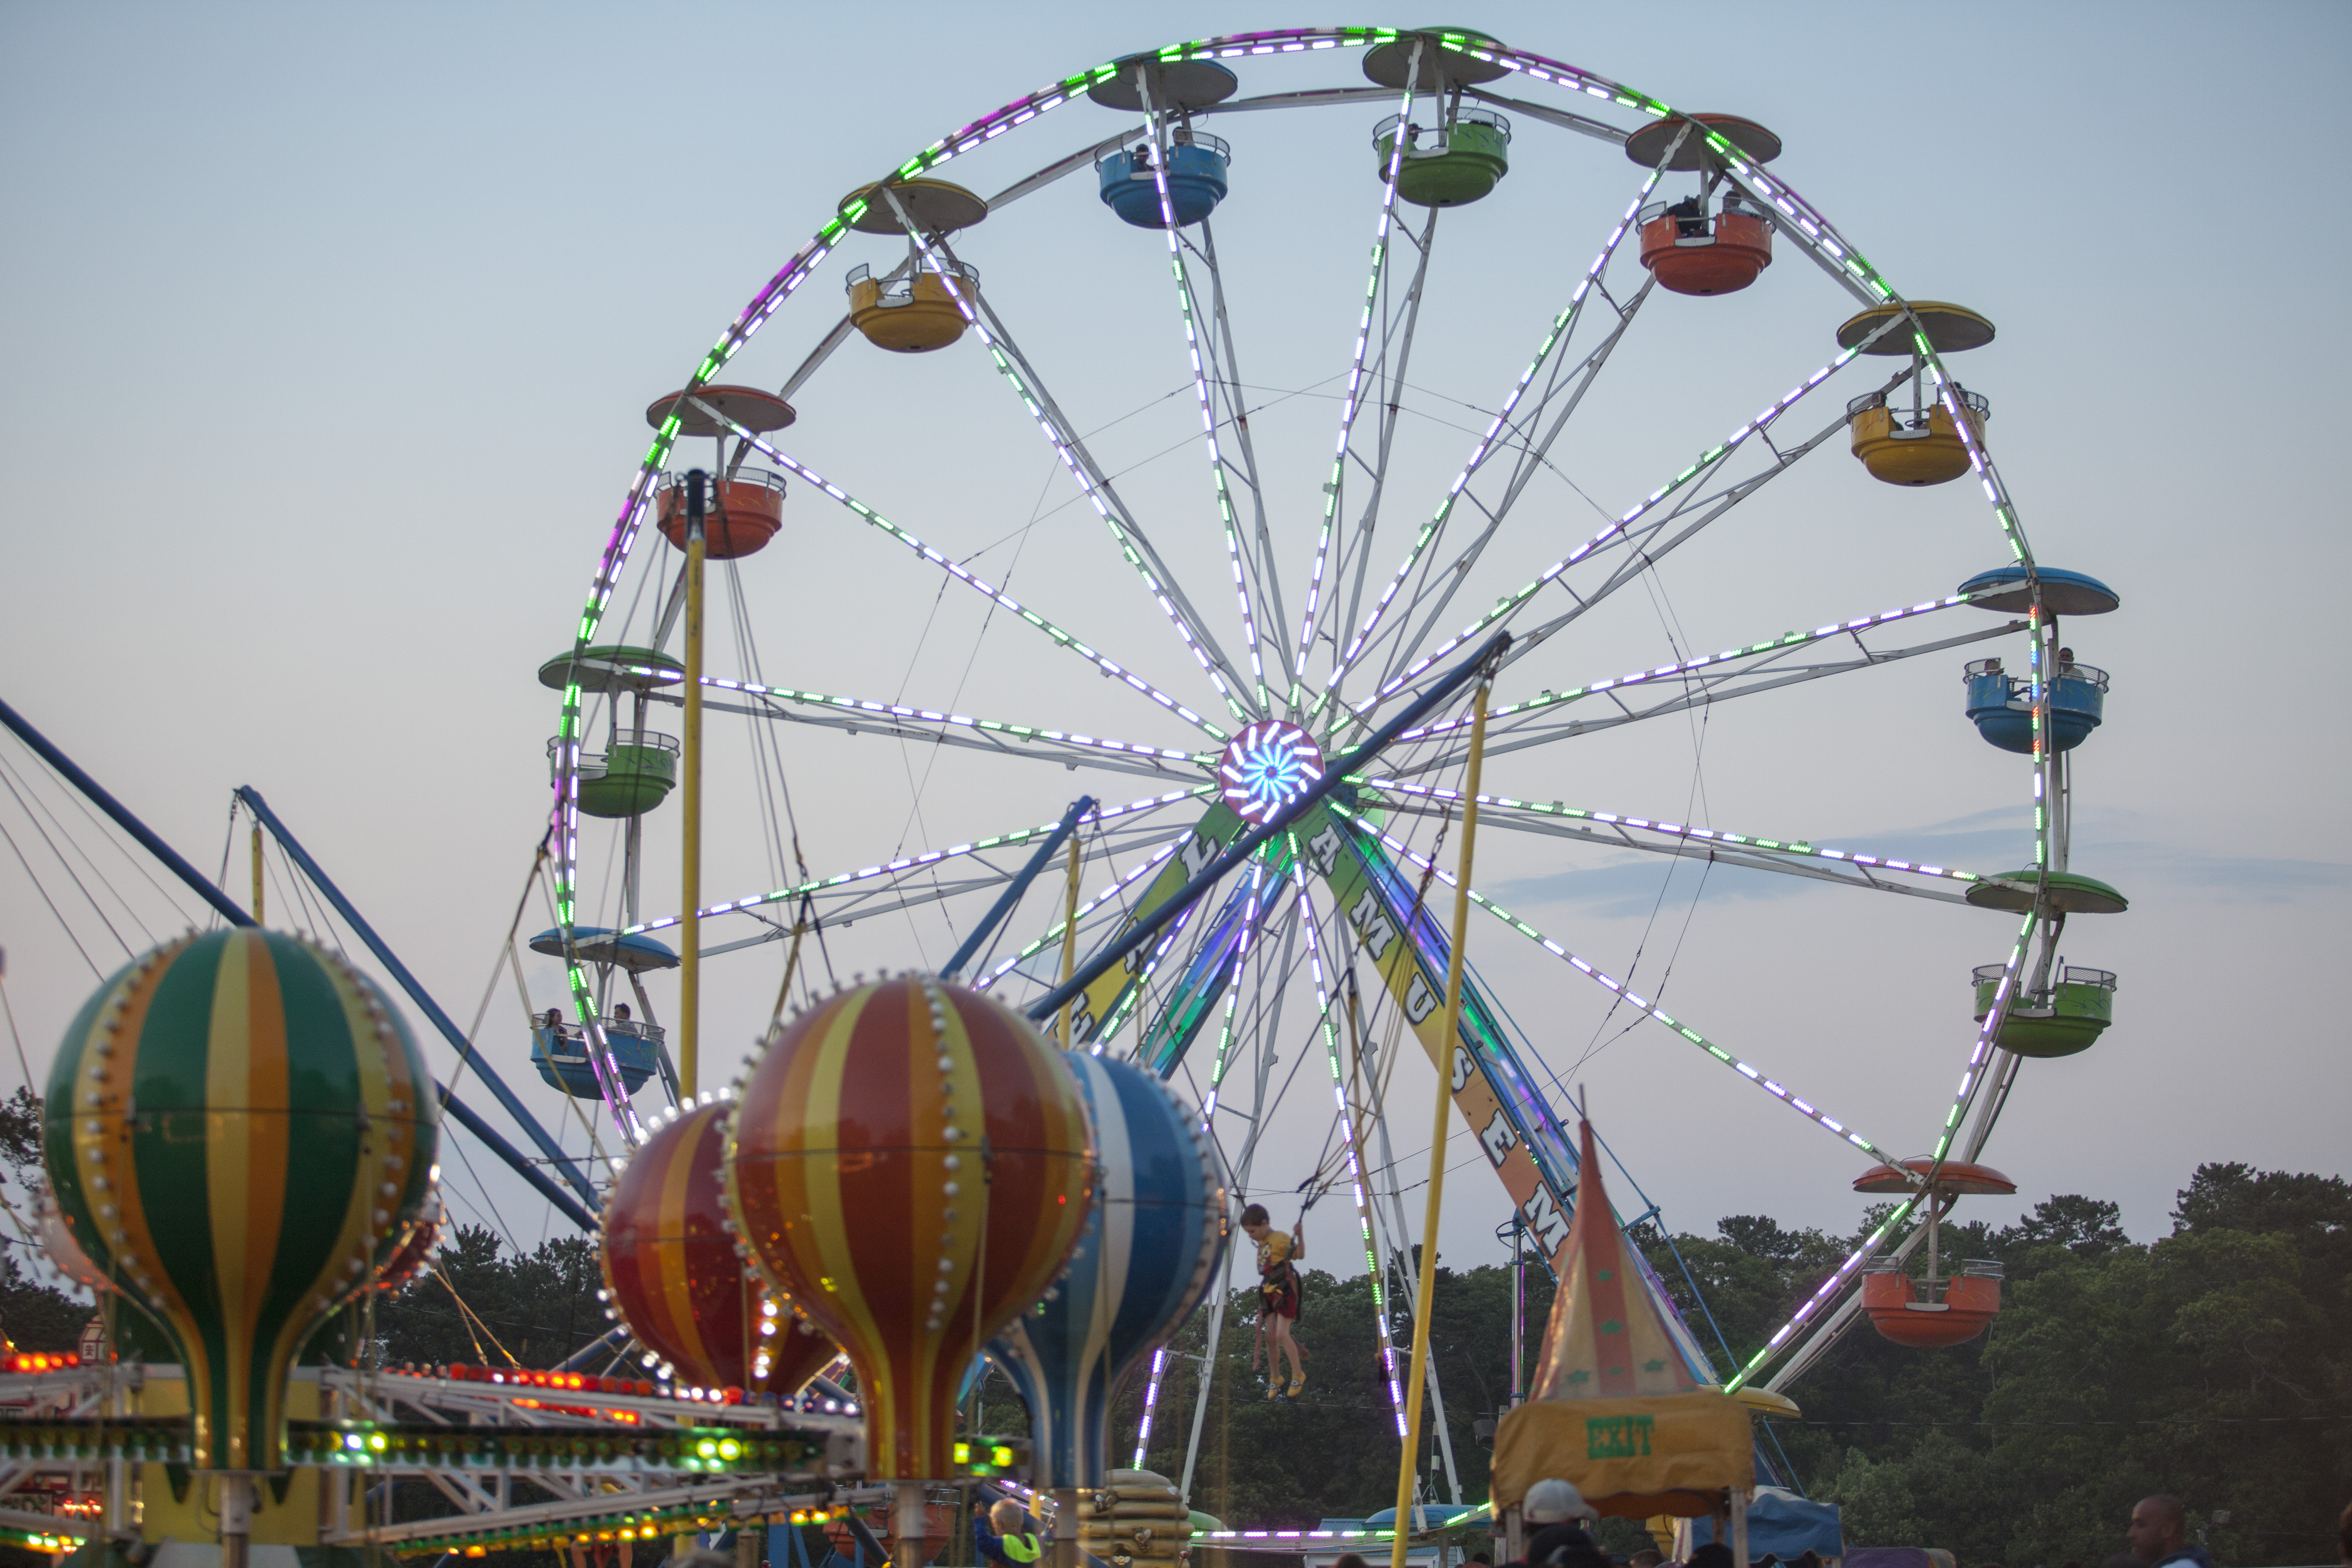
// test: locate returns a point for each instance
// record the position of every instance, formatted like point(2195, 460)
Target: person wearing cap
point(1557, 1514)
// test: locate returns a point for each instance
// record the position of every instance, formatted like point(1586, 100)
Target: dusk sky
point(327, 334)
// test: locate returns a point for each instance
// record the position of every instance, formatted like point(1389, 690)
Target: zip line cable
point(51, 903)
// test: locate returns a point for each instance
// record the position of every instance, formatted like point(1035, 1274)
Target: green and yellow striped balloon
point(240, 1134)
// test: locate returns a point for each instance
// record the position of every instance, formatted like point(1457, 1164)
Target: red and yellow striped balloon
point(676, 1279)
point(911, 1162)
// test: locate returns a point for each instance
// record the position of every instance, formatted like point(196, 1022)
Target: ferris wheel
point(1307, 362)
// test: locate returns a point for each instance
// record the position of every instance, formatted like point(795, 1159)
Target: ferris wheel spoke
point(1707, 691)
point(1612, 831)
point(1509, 718)
point(811, 366)
point(1198, 349)
point(1226, 360)
point(857, 716)
point(1505, 419)
point(1527, 460)
point(1367, 521)
point(976, 584)
point(824, 886)
point(1628, 529)
point(1351, 394)
point(1058, 169)
point(1599, 977)
point(1351, 1143)
point(1093, 481)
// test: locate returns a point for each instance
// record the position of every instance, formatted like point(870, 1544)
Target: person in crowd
point(2344, 1535)
point(1555, 1515)
point(1005, 1536)
point(1710, 1554)
point(1351, 1561)
point(2158, 1532)
point(1647, 1557)
point(1277, 1291)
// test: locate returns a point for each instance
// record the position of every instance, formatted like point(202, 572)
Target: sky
point(327, 334)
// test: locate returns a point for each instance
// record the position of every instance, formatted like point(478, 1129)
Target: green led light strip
point(1784, 1096)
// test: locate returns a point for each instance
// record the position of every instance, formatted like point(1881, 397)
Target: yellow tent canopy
point(1613, 1409)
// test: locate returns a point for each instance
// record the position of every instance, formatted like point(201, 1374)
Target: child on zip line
point(1278, 1296)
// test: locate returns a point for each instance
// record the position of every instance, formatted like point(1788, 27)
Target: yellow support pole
point(1417, 1379)
point(689, 958)
point(257, 875)
point(1070, 935)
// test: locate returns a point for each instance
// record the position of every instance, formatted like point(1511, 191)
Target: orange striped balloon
point(672, 1275)
point(911, 1162)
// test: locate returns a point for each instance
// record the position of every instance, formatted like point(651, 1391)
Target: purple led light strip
point(930, 716)
point(1154, 127)
point(1602, 979)
point(929, 857)
point(979, 585)
point(1561, 326)
point(1351, 400)
point(1676, 830)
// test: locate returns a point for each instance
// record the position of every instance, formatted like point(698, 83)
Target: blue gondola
point(596, 944)
point(561, 1055)
point(2063, 593)
point(2000, 704)
point(1197, 166)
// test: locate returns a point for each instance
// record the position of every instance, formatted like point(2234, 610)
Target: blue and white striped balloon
point(1148, 1254)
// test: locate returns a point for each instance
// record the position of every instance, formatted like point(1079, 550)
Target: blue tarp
point(1785, 1525)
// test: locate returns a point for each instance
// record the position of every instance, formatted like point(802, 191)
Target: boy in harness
point(1277, 1295)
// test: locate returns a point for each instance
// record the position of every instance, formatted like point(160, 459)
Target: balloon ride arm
point(1018, 886)
point(175, 864)
point(432, 1011)
point(1144, 929)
